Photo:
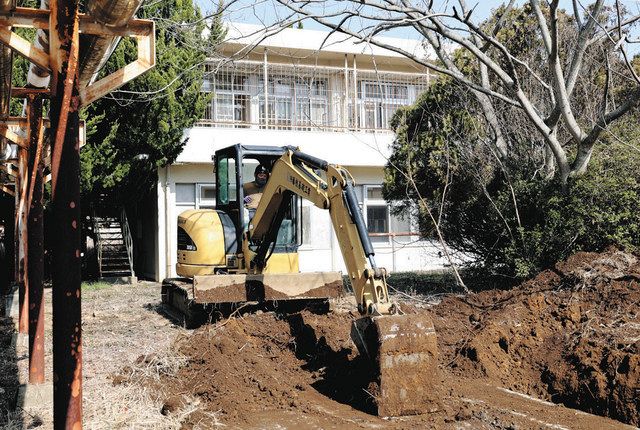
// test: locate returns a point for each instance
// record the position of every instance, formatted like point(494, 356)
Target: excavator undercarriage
point(229, 257)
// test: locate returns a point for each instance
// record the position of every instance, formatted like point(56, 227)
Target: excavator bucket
point(404, 353)
point(266, 287)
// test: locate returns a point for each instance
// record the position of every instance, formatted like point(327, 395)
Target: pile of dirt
point(263, 361)
point(570, 336)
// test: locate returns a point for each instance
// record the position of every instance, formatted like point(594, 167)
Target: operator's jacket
point(252, 194)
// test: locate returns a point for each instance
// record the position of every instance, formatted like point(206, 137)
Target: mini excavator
point(232, 255)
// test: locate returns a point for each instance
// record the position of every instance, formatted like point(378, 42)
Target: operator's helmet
point(261, 174)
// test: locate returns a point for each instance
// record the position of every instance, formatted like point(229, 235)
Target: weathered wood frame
point(142, 30)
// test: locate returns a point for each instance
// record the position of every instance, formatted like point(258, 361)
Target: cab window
point(226, 171)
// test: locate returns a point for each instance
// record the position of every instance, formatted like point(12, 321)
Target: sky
point(259, 11)
point(267, 11)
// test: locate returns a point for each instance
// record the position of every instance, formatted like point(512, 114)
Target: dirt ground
point(559, 352)
point(570, 336)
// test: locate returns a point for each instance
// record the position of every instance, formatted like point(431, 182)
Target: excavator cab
point(216, 253)
point(234, 170)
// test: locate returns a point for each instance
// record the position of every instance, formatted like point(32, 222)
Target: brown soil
point(570, 336)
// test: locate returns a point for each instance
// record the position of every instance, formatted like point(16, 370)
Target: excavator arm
point(401, 347)
point(295, 173)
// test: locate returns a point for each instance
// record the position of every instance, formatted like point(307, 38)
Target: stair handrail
point(96, 231)
point(128, 240)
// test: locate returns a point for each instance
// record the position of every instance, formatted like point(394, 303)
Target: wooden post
point(35, 267)
point(16, 228)
point(65, 193)
point(23, 291)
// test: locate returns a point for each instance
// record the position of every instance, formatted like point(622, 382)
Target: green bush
point(547, 224)
point(600, 208)
point(509, 220)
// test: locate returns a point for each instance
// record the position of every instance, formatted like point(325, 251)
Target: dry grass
point(123, 327)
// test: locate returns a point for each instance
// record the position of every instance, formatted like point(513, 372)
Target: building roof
point(314, 40)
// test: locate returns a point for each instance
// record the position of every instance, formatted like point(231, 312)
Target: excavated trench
point(570, 336)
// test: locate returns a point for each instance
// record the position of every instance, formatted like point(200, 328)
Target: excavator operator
point(253, 190)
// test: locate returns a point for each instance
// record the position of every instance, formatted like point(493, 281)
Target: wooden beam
point(25, 48)
point(135, 27)
point(21, 122)
point(9, 169)
point(16, 121)
point(35, 249)
point(20, 92)
point(65, 212)
point(12, 136)
point(7, 190)
point(146, 60)
point(24, 17)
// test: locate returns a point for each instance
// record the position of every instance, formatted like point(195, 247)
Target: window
point(232, 99)
point(300, 102)
point(312, 107)
point(209, 78)
point(206, 196)
point(226, 171)
point(376, 213)
point(186, 194)
point(377, 219)
point(401, 224)
point(374, 193)
point(379, 101)
point(195, 196)
point(280, 100)
point(380, 220)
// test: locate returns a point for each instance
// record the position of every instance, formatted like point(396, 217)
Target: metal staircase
point(114, 246)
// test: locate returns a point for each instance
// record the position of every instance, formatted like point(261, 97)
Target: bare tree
point(544, 88)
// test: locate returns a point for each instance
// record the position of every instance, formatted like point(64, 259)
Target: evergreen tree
point(139, 128)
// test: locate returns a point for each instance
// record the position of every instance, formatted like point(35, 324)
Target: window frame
point(182, 203)
point(202, 203)
point(198, 202)
point(368, 202)
point(238, 92)
point(379, 104)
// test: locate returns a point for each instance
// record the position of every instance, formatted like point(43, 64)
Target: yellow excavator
point(233, 255)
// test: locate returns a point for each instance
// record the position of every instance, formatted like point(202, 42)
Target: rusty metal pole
point(35, 250)
point(65, 193)
point(23, 291)
point(16, 230)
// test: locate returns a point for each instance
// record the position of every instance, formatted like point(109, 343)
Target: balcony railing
point(248, 94)
point(248, 125)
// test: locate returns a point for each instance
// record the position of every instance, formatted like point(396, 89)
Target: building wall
point(320, 250)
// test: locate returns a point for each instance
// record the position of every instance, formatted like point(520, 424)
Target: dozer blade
point(266, 287)
point(404, 352)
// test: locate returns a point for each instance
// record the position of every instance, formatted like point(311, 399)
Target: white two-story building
point(326, 94)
